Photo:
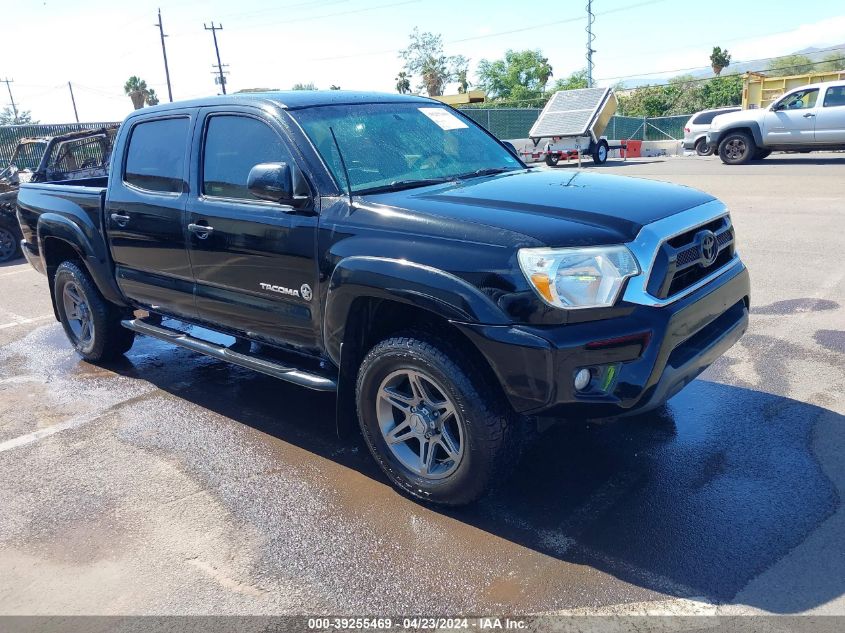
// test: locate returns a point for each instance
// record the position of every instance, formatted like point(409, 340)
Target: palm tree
point(137, 90)
point(152, 97)
point(403, 83)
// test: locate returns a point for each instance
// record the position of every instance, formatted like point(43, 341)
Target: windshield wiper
point(489, 171)
point(399, 185)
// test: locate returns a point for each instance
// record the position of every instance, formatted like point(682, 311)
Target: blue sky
point(97, 44)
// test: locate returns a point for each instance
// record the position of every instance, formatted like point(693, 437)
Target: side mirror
point(271, 181)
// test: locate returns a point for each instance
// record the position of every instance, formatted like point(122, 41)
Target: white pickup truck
point(809, 118)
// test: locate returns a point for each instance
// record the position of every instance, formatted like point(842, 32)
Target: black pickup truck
point(389, 249)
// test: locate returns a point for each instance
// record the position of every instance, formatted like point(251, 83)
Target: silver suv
point(695, 130)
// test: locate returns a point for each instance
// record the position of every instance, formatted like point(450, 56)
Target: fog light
point(582, 379)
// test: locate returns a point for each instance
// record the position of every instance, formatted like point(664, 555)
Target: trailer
point(572, 125)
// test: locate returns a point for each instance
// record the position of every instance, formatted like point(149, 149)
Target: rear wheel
point(91, 323)
point(552, 159)
point(600, 153)
point(10, 246)
point(737, 148)
point(437, 429)
point(702, 148)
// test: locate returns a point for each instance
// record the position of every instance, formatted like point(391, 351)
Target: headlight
point(578, 277)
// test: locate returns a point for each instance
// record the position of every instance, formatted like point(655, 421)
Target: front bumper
point(656, 351)
point(712, 138)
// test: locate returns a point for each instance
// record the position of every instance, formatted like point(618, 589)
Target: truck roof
point(293, 99)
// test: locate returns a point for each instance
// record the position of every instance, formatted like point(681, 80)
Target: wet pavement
point(173, 483)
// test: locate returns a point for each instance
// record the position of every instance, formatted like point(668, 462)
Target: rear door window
point(155, 160)
point(835, 97)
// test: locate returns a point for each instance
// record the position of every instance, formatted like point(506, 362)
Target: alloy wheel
point(420, 424)
point(78, 314)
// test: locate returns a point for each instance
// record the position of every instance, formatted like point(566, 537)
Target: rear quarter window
point(155, 159)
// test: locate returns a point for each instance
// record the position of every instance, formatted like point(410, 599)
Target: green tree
point(719, 59)
point(24, 117)
point(138, 91)
point(721, 91)
point(790, 65)
point(519, 76)
point(425, 57)
point(833, 62)
point(578, 79)
point(403, 83)
point(301, 86)
point(152, 98)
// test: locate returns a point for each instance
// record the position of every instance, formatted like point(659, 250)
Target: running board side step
point(262, 365)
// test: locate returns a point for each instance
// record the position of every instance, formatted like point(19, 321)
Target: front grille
point(680, 262)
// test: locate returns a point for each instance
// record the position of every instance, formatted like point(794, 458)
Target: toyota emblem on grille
point(708, 248)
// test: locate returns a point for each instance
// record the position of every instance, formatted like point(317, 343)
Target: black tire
point(552, 160)
point(488, 448)
point(105, 338)
point(10, 241)
point(702, 148)
point(760, 154)
point(737, 148)
point(600, 153)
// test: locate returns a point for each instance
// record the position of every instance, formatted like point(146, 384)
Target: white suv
point(804, 119)
point(695, 130)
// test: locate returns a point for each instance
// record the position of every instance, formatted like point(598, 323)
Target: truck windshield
point(390, 146)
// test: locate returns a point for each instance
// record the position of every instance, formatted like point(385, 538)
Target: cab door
point(254, 262)
point(830, 117)
point(792, 120)
point(144, 214)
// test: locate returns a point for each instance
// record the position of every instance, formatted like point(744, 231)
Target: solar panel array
point(569, 113)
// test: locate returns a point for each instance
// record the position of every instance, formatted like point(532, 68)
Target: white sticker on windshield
point(445, 119)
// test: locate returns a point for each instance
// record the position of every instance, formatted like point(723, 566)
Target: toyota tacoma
point(388, 249)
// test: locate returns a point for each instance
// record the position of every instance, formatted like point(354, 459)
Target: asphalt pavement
point(171, 483)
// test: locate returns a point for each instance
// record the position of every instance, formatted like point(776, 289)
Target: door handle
point(808, 115)
point(202, 231)
point(120, 219)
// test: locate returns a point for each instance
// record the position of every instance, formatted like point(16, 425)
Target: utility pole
point(590, 38)
point(214, 30)
point(73, 101)
point(164, 53)
point(8, 81)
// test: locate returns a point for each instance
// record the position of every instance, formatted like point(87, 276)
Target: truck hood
point(724, 120)
point(551, 207)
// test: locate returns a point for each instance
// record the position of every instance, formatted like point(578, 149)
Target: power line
point(164, 53)
point(485, 36)
point(214, 30)
point(752, 61)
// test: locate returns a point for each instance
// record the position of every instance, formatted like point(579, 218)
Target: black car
point(390, 250)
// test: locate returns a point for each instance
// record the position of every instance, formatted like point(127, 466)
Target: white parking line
point(29, 438)
point(18, 272)
point(26, 321)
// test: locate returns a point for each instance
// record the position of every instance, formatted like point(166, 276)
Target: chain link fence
point(11, 134)
point(516, 122)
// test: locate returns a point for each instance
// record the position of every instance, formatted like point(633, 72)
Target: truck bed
point(76, 205)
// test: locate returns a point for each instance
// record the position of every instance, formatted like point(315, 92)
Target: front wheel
point(437, 429)
point(600, 153)
point(703, 148)
point(760, 154)
point(91, 323)
point(552, 159)
point(737, 148)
